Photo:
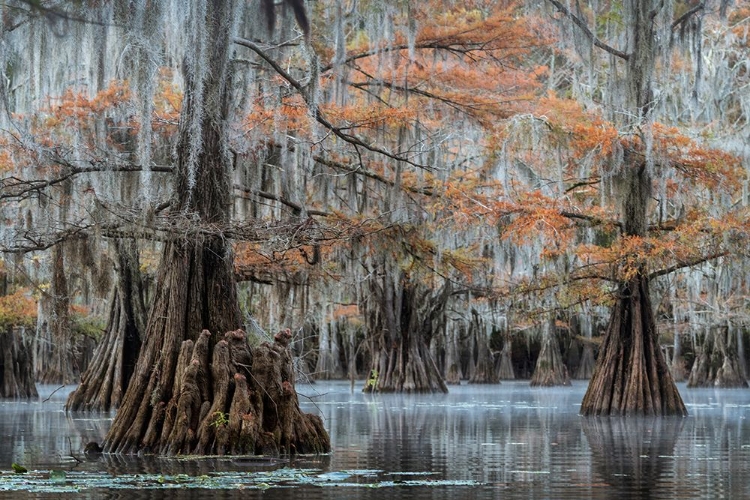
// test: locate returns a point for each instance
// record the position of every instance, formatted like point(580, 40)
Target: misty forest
point(208, 203)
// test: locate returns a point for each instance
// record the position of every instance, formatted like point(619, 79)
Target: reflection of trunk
point(550, 369)
point(484, 371)
point(107, 377)
point(717, 364)
point(401, 317)
point(177, 402)
point(631, 375)
point(632, 455)
point(16, 367)
point(55, 352)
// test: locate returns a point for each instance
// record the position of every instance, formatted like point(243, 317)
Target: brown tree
point(16, 366)
point(104, 382)
point(631, 374)
point(550, 369)
point(195, 392)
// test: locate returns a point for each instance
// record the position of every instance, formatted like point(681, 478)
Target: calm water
point(508, 441)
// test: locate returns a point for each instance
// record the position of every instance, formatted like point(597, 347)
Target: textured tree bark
point(190, 392)
point(16, 367)
point(631, 375)
point(105, 381)
point(550, 370)
point(401, 319)
point(240, 401)
point(717, 363)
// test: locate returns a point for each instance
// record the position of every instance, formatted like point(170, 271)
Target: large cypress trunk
point(717, 363)
point(550, 370)
point(401, 317)
point(631, 375)
point(105, 381)
point(176, 401)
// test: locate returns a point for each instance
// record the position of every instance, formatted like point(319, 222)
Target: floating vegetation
point(56, 481)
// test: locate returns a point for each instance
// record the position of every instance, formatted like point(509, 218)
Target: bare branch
point(586, 31)
point(270, 196)
point(687, 15)
point(688, 263)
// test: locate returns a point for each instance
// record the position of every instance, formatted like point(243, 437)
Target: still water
point(498, 441)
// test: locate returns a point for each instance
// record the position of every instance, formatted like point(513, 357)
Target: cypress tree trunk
point(505, 369)
point(243, 401)
point(678, 362)
point(484, 373)
point(586, 366)
point(328, 365)
point(631, 375)
point(452, 359)
point(16, 367)
point(550, 369)
point(400, 322)
point(105, 381)
point(717, 363)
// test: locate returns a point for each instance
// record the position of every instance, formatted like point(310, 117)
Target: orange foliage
point(17, 309)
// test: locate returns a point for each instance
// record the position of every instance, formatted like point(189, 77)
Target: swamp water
point(498, 441)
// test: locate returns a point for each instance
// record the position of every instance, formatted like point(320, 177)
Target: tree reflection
point(634, 455)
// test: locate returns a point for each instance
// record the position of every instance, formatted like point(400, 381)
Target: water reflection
point(39, 432)
point(531, 443)
point(635, 455)
point(507, 441)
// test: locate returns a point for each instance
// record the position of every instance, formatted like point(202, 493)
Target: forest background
point(422, 192)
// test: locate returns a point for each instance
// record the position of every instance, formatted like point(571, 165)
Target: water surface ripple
point(489, 441)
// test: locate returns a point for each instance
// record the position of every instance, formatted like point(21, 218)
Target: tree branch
point(684, 264)
point(270, 196)
point(687, 15)
point(586, 31)
point(317, 113)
